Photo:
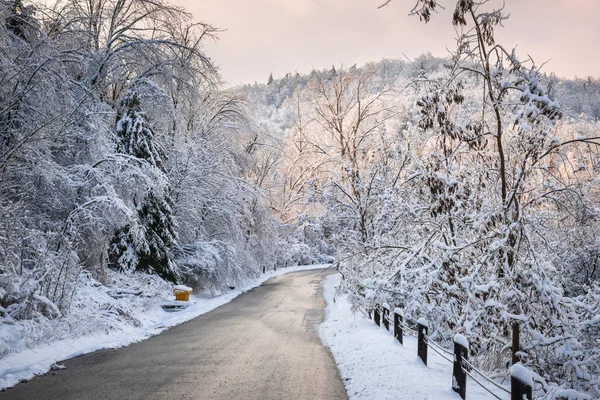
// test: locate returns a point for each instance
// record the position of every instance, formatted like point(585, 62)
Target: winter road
point(263, 345)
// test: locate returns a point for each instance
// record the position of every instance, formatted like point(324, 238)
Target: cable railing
point(483, 386)
point(411, 331)
point(439, 349)
point(472, 367)
point(521, 383)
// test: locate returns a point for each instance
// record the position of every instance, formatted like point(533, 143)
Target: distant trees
point(346, 138)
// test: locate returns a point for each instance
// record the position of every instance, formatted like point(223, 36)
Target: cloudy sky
point(280, 36)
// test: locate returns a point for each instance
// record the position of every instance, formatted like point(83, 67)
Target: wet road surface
point(263, 345)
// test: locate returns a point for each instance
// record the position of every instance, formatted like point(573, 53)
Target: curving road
point(263, 345)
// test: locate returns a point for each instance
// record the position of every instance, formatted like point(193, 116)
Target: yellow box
point(182, 294)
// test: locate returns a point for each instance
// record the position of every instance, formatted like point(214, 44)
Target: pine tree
point(146, 245)
point(270, 80)
point(156, 217)
point(135, 136)
point(332, 71)
point(122, 250)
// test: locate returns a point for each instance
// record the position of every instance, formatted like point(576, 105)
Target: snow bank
point(373, 365)
point(141, 324)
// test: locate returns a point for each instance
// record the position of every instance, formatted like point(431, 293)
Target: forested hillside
point(464, 190)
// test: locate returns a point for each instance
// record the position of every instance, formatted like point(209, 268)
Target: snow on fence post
point(386, 316)
point(521, 382)
point(377, 315)
point(459, 375)
point(398, 325)
point(423, 329)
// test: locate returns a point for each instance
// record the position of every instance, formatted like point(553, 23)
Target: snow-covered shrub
point(211, 266)
point(117, 304)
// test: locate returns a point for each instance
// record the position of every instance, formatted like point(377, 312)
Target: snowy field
point(373, 365)
point(142, 322)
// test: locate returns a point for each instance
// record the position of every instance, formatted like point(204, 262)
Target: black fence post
point(423, 329)
point(459, 376)
point(515, 343)
point(521, 383)
point(386, 316)
point(264, 269)
point(377, 315)
point(398, 326)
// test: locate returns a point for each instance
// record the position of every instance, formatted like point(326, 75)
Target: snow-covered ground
point(142, 321)
point(373, 365)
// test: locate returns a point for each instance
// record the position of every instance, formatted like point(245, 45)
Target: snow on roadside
point(24, 365)
point(373, 365)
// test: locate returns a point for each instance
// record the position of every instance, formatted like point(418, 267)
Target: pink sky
point(280, 36)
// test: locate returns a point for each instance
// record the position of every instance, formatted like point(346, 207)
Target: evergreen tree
point(135, 136)
point(146, 245)
point(156, 216)
point(270, 79)
point(332, 71)
point(122, 251)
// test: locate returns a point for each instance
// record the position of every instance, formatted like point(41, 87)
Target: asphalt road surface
point(263, 345)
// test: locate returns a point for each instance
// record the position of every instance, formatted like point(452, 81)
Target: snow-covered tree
point(493, 184)
point(134, 135)
point(148, 244)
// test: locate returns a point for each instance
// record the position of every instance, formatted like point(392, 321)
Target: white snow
point(461, 340)
point(570, 394)
point(521, 373)
point(182, 288)
point(24, 365)
point(373, 365)
point(423, 321)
